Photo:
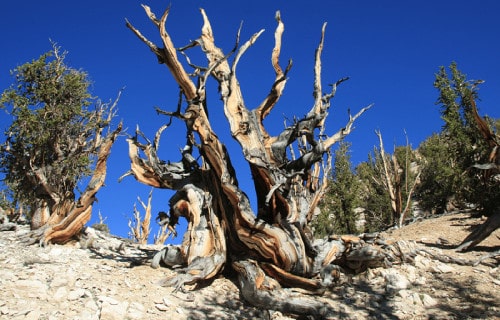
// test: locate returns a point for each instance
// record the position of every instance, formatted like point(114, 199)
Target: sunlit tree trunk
point(67, 218)
point(274, 246)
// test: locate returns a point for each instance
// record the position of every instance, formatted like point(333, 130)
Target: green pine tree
point(447, 176)
point(338, 213)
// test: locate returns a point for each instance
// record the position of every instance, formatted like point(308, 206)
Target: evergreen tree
point(54, 141)
point(338, 213)
point(389, 182)
point(376, 198)
point(447, 177)
point(439, 175)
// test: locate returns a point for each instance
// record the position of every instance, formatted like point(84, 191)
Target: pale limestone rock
point(136, 311)
point(428, 301)
point(60, 294)
point(395, 281)
point(442, 268)
point(33, 315)
point(76, 294)
point(116, 311)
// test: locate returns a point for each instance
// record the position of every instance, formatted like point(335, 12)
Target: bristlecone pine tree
point(491, 179)
point(58, 136)
point(270, 249)
point(463, 161)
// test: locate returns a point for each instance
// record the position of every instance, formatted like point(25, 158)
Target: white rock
point(415, 299)
point(76, 294)
point(420, 281)
point(440, 267)
point(395, 281)
point(67, 279)
point(60, 294)
point(88, 315)
point(179, 310)
point(91, 305)
point(4, 310)
point(108, 300)
point(167, 301)
point(35, 287)
point(136, 311)
point(411, 272)
point(405, 294)
point(428, 301)
point(33, 315)
point(113, 311)
point(422, 262)
point(56, 251)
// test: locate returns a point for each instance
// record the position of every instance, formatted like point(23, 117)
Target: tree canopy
point(55, 139)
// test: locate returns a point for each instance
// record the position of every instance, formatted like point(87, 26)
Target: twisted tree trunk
point(67, 218)
point(60, 215)
point(275, 243)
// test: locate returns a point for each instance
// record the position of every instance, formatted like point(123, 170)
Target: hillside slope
point(104, 277)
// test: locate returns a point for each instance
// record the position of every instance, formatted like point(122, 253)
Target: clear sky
point(390, 50)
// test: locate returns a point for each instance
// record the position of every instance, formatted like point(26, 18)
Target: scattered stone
point(76, 294)
point(136, 311)
point(99, 282)
point(428, 301)
point(395, 281)
point(113, 311)
point(60, 294)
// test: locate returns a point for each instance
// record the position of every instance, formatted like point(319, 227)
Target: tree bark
point(275, 243)
point(68, 217)
point(491, 170)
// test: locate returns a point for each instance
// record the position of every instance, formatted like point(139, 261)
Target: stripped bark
point(58, 216)
point(140, 228)
point(275, 243)
point(70, 217)
point(394, 186)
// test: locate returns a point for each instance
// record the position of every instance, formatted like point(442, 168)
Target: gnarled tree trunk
point(275, 243)
point(64, 217)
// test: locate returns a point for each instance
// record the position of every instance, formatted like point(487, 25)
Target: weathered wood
point(265, 292)
point(140, 228)
point(481, 232)
point(69, 217)
point(274, 246)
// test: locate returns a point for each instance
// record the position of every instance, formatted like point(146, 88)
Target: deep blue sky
point(390, 49)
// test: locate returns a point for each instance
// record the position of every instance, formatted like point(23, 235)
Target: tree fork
point(274, 247)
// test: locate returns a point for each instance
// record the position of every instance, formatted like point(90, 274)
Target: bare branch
point(346, 130)
point(388, 178)
point(280, 80)
point(167, 54)
point(317, 93)
point(244, 48)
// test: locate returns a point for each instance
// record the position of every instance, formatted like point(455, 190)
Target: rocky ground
point(104, 277)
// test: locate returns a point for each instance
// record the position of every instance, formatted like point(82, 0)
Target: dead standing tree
point(393, 183)
point(139, 228)
point(275, 246)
